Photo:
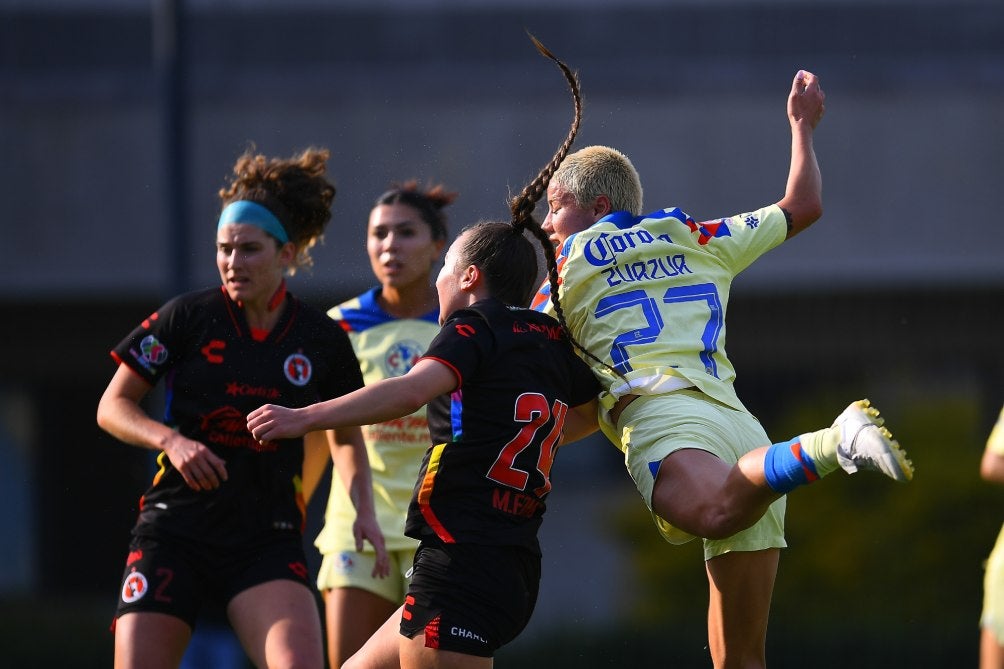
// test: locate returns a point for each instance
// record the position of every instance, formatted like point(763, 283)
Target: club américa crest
point(401, 357)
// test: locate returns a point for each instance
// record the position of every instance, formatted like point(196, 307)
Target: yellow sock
point(821, 446)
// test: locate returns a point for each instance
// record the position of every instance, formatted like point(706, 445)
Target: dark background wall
point(114, 152)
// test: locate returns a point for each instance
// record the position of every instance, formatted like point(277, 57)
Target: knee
point(359, 660)
point(297, 662)
point(721, 522)
point(708, 519)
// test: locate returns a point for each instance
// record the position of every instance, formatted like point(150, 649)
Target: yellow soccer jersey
point(995, 443)
point(386, 347)
point(648, 295)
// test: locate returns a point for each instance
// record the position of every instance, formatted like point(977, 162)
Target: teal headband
point(252, 213)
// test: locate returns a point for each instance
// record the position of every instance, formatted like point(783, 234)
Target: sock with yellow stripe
point(804, 459)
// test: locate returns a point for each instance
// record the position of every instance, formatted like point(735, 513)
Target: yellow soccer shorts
point(653, 426)
point(350, 569)
point(992, 617)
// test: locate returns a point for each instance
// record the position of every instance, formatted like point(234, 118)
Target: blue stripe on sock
point(784, 470)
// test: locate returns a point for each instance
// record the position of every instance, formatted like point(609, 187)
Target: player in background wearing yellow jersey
point(646, 298)
point(390, 327)
point(992, 619)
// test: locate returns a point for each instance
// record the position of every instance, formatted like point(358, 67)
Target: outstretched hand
point(805, 102)
point(270, 422)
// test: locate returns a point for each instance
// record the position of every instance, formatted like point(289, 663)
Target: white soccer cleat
point(866, 445)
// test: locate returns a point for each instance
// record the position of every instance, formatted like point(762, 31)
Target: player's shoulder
point(192, 305)
point(313, 317)
point(199, 298)
point(363, 312)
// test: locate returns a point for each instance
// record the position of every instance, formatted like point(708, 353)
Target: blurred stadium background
point(120, 119)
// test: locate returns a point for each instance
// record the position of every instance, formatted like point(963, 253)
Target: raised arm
point(377, 403)
point(803, 195)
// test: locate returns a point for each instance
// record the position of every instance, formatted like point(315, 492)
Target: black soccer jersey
point(486, 476)
point(215, 373)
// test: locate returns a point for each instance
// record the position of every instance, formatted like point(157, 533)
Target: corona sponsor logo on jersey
point(603, 249)
point(298, 369)
point(401, 357)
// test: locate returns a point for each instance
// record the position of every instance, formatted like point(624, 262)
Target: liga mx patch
point(135, 587)
point(154, 352)
point(298, 369)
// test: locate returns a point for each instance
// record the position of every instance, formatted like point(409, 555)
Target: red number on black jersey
point(533, 412)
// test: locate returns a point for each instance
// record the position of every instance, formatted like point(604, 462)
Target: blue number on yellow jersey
point(648, 295)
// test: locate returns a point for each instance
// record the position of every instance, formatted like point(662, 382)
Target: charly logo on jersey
point(401, 357)
point(135, 587)
point(298, 369)
point(154, 352)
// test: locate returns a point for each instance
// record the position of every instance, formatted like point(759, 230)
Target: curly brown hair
point(296, 190)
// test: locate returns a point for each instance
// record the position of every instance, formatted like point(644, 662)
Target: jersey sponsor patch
point(135, 587)
point(154, 352)
point(298, 369)
point(708, 230)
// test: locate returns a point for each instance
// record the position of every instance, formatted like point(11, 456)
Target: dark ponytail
point(522, 205)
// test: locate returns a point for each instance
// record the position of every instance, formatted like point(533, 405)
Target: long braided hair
point(522, 206)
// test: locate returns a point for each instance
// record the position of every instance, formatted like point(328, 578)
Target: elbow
point(991, 468)
point(813, 212)
point(807, 211)
point(988, 472)
point(102, 416)
point(802, 213)
point(412, 403)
